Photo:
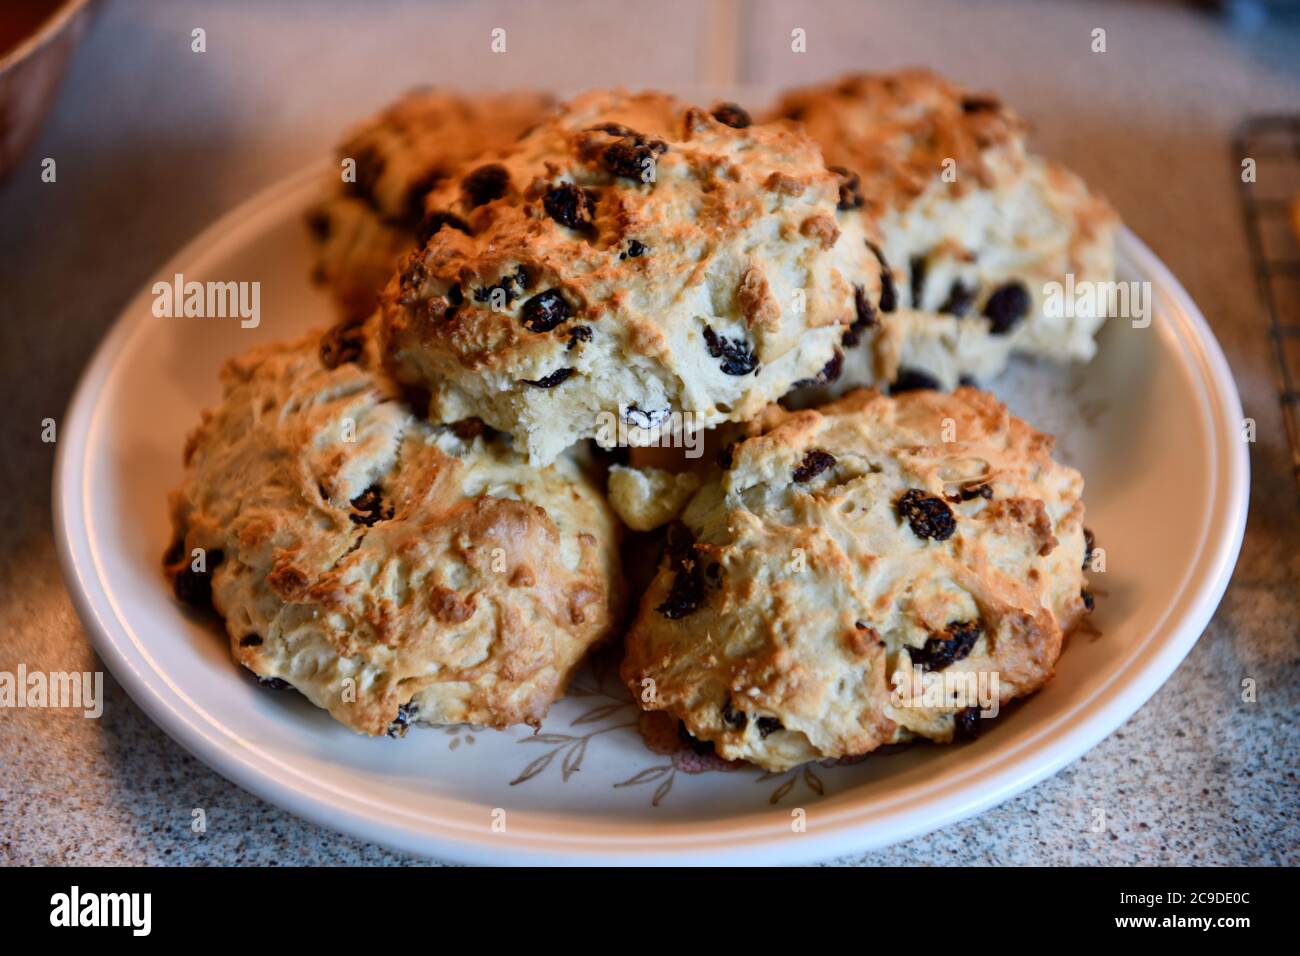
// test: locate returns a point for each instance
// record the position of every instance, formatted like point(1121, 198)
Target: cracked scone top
point(844, 548)
point(968, 223)
point(634, 258)
point(365, 225)
point(390, 570)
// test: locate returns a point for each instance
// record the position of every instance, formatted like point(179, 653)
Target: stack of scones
point(749, 347)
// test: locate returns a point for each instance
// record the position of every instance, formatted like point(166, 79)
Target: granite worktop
point(153, 141)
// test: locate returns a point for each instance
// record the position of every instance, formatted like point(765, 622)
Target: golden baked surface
point(842, 550)
point(364, 226)
point(894, 130)
point(970, 225)
point(390, 570)
point(631, 257)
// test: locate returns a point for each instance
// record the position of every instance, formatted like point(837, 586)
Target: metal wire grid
point(1271, 206)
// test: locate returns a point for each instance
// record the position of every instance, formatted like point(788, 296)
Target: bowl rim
point(44, 33)
point(843, 826)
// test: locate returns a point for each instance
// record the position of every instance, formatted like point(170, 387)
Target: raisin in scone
point(969, 225)
point(631, 257)
point(390, 570)
point(842, 555)
point(368, 222)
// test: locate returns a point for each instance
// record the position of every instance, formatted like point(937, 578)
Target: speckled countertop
point(154, 141)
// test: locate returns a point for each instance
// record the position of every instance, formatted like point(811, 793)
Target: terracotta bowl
point(31, 71)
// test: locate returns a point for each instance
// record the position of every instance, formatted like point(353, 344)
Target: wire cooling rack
point(1271, 206)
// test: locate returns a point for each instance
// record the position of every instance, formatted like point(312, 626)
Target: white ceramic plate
point(1153, 423)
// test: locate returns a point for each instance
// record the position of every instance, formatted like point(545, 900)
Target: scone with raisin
point(850, 554)
point(969, 225)
point(390, 570)
point(631, 257)
point(369, 220)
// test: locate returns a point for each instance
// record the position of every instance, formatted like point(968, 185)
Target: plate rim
point(750, 838)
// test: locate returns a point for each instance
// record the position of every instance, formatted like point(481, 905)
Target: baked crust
point(843, 548)
point(969, 254)
point(364, 226)
point(565, 290)
point(390, 570)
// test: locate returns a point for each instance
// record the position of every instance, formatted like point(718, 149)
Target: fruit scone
point(369, 220)
point(970, 226)
point(390, 570)
point(631, 264)
point(859, 575)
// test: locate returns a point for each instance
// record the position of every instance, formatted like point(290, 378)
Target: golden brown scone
point(390, 570)
point(969, 224)
point(850, 554)
point(647, 497)
point(364, 226)
point(632, 257)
